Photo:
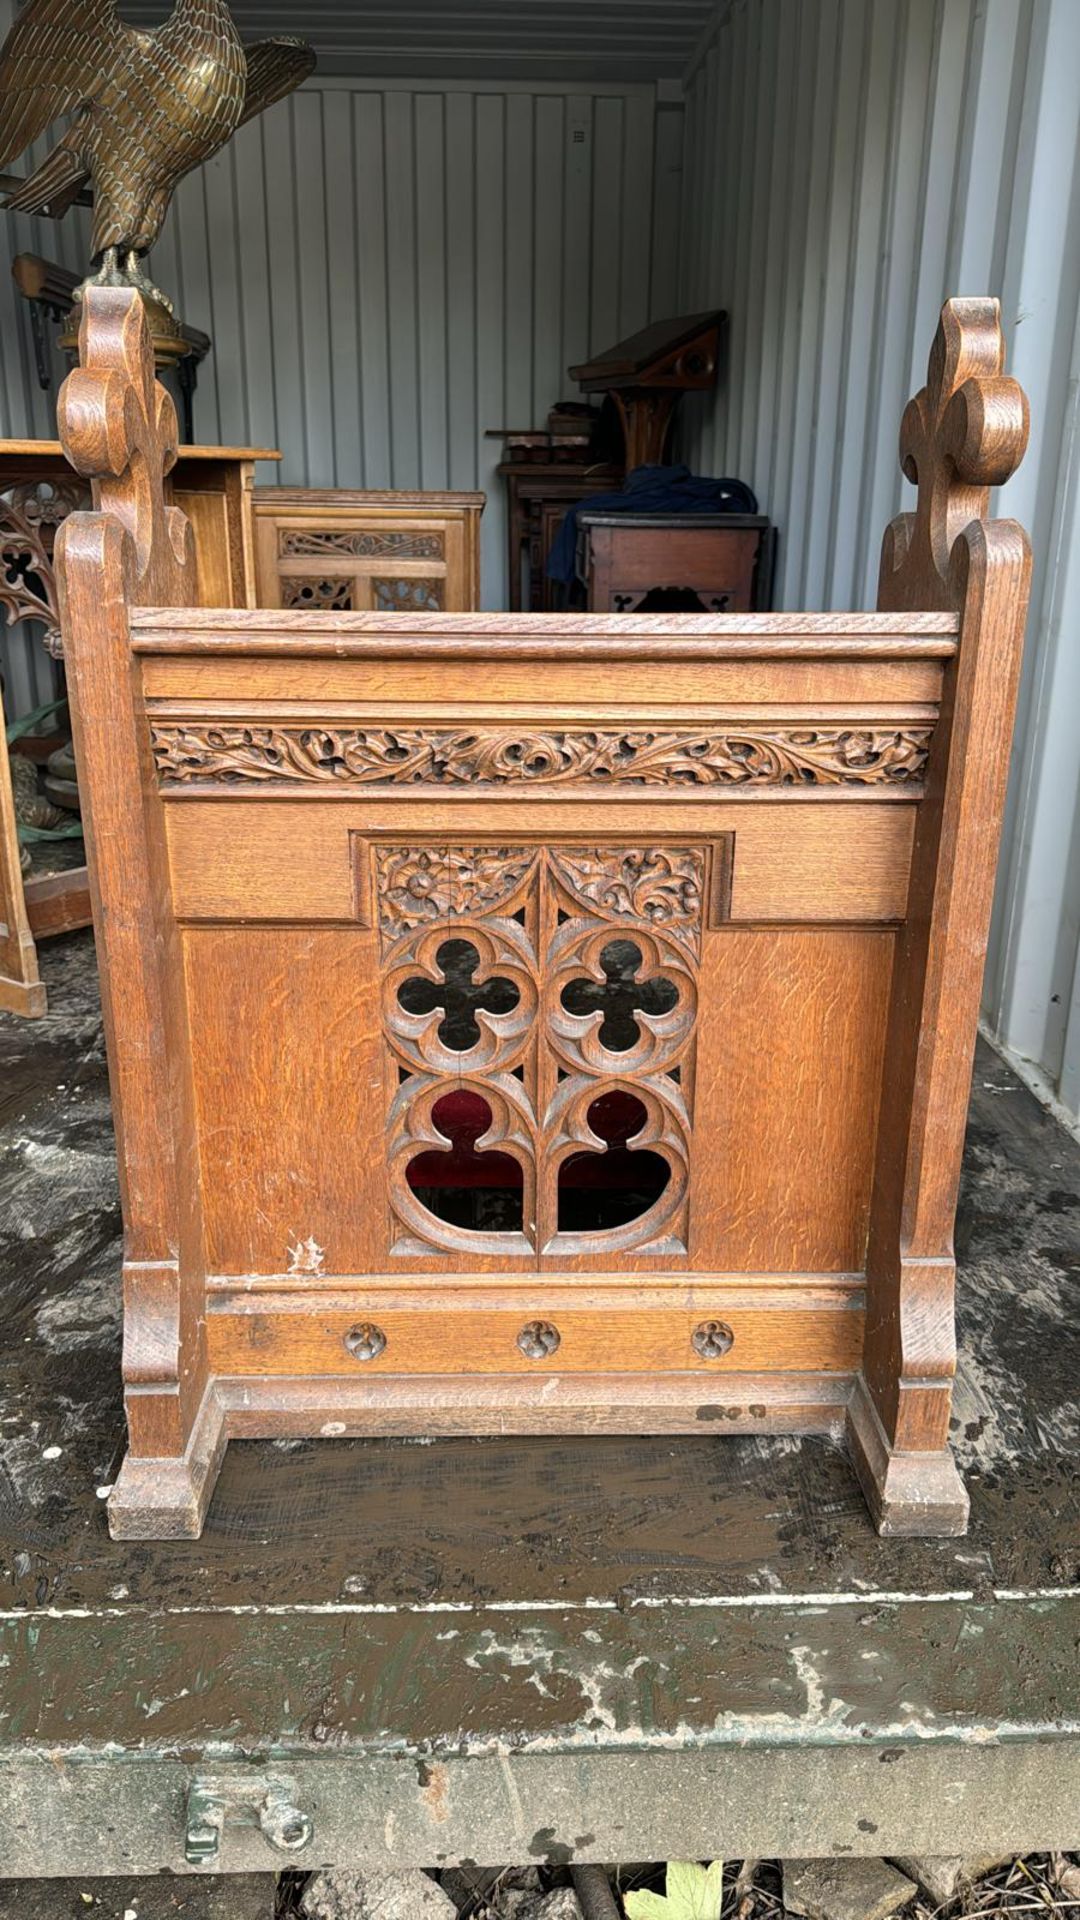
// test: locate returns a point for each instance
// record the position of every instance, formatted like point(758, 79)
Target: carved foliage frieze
point(359, 543)
point(542, 1002)
point(859, 756)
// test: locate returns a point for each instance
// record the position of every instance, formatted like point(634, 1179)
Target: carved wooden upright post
point(555, 1022)
point(118, 428)
point(965, 432)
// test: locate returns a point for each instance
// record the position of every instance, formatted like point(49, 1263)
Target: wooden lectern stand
point(647, 375)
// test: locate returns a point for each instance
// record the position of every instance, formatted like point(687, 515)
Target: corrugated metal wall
point(386, 272)
point(561, 40)
point(388, 269)
point(26, 412)
point(850, 163)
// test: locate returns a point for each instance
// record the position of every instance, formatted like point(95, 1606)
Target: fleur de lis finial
point(963, 433)
point(118, 429)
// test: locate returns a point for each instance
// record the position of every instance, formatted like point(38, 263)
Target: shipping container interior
point(469, 198)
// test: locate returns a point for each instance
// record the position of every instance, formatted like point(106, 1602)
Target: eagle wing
point(274, 68)
point(57, 56)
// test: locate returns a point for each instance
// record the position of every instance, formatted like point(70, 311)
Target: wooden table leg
point(21, 990)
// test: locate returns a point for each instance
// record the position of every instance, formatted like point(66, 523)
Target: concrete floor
point(528, 1649)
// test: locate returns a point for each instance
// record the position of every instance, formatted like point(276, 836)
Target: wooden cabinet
point(365, 552)
point(213, 486)
point(690, 562)
point(538, 494)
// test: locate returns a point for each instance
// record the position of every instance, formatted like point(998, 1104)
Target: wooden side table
point(665, 562)
point(538, 494)
point(38, 489)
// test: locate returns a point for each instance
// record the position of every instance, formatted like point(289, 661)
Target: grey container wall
point(387, 271)
point(389, 266)
point(849, 163)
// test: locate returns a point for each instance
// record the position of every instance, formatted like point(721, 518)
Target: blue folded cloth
point(648, 490)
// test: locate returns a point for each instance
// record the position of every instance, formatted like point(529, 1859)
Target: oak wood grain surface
point(442, 951)
point(394, 551)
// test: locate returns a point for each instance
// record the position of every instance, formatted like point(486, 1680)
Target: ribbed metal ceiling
point(593, 40)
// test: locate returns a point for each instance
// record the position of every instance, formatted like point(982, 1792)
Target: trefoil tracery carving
point(539, 1010)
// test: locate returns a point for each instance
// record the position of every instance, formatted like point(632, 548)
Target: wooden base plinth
point(166, 1499)
point(915, 1494)
point(25, 997)
point(920, 1495)
point(908, 1494)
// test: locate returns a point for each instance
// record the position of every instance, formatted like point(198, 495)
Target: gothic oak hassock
point(558, 1022)
point(387, 552)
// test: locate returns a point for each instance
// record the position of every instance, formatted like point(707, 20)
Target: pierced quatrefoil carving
point(540, 1007)
point(612, 1183)
point(460, 996)
point(460, 1182)
point(620, 996)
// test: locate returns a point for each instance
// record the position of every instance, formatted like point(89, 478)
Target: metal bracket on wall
point(244, 1800)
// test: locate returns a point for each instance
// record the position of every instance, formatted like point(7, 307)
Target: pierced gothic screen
point(540, 1006)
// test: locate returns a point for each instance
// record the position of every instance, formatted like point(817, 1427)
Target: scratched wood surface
point(389, 1522)
point(530, 1648)
point(317, 838)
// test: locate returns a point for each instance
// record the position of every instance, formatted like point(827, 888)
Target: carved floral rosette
point(540, 920)
point(428, 886)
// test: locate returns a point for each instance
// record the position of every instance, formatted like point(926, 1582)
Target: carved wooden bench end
point(541, 1023)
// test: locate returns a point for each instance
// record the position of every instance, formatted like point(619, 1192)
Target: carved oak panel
point(356, 543)
point(765, 756)
point(539, 1013)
